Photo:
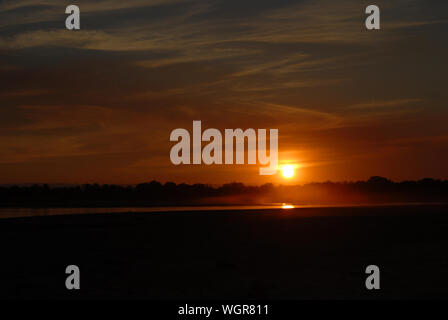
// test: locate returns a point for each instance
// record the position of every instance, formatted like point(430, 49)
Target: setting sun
point(288, 171)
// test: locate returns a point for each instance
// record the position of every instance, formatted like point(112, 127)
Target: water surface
point(31, 212)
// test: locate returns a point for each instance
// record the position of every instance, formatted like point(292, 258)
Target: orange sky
point(98, 105)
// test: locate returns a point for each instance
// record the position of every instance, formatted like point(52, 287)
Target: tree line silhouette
point(374, 190)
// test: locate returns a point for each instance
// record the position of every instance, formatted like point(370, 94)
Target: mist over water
point(278, 207)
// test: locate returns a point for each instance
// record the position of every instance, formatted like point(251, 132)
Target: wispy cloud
point(138, 69)
point(385, 103)
point(25, 93)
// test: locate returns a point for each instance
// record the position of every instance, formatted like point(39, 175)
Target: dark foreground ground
point(269, 254)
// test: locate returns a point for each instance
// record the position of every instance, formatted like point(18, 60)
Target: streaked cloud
point(108, 96)
point(386, 103)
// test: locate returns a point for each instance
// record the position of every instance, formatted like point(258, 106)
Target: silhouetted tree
point(375, 189)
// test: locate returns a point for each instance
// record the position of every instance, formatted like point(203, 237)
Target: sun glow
point(288, 171)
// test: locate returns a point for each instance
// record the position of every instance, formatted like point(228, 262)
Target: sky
point(98, 104)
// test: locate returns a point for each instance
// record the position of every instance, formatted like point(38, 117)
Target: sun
point(288, 171)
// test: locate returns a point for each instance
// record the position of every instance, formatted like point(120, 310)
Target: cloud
point(94, 40)
point(76, 131)
point(88, 6)
point(385, 103)
point(138, 69)
point(198, 26)
point(25, 93)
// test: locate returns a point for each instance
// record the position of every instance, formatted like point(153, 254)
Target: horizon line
point(384, 179)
